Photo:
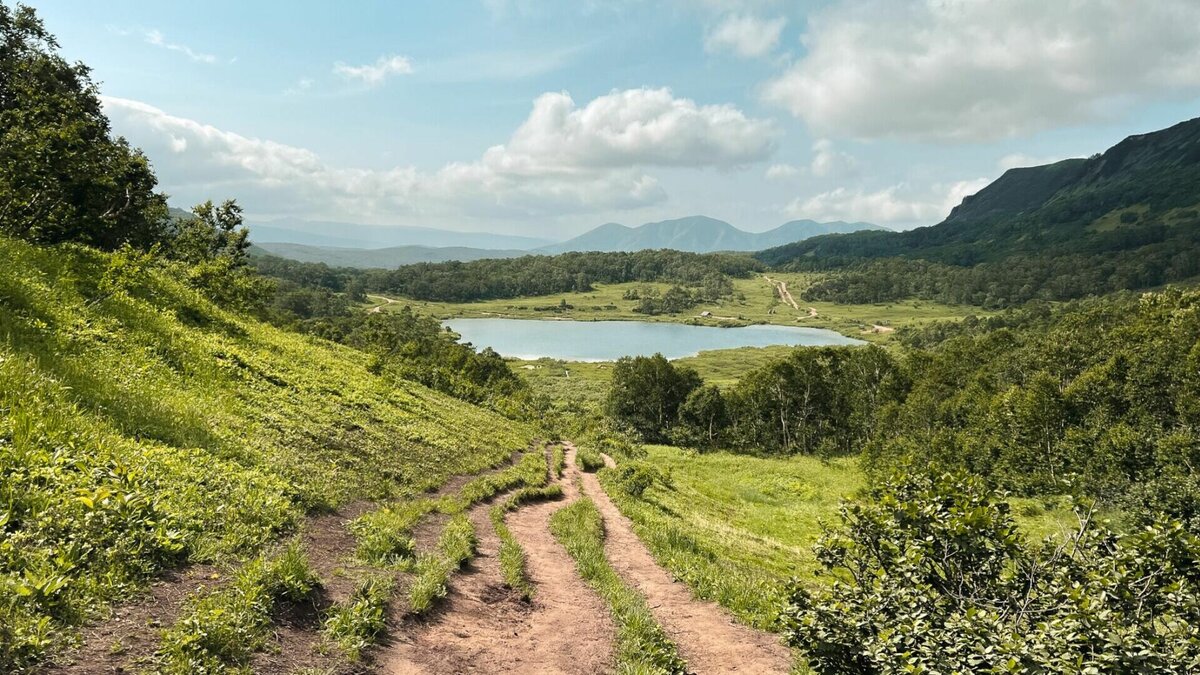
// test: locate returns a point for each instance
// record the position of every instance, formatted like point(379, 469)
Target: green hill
point(142, 427)
point(1128, 218)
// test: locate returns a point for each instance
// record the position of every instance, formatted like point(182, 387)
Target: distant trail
point(785, 295)
point(707, 637)
point(485, 628)
point(379, 308)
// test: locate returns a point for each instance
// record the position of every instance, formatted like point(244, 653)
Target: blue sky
point(547, 118)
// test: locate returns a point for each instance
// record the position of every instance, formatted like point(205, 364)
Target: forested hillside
point(1125, 219)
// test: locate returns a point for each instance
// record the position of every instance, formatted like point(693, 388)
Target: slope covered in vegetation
point(142, 426)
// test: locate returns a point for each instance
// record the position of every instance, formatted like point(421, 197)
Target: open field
point(755, 301)
point(736, 528)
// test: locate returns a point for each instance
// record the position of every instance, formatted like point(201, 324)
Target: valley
point(272, 434)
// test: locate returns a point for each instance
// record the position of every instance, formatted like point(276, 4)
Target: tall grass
point(642, 646)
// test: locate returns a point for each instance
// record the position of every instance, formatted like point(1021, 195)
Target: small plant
point(455, 546)
point(589, 460)
point(355, 624)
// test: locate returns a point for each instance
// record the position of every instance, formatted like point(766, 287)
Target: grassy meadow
point(755, 301)
point(142, 427)
point(737, 528)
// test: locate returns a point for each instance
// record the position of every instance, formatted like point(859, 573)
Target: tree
point(646, 393)
point(63, 176)
point(703, 417)
point(212, 232)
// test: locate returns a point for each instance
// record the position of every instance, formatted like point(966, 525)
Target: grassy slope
point(760, 306)
point(736, 528)
point(141, 426)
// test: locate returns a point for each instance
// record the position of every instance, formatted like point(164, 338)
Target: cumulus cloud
point(156, 38)
point(374, 74)
point(781, 172)
point(970, 70)
point(896, 205)
point(829, 161)
point(563, 158)
point(744, 35)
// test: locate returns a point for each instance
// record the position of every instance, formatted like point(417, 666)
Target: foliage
point(589, 459)
point(634, 478)
point(545, 275)
point(703, 418)
point(133, 411)
point(932, 575)
point(356, 624)
point(642, 646)
point(221, 630)
point(646, 392)
point(63, 175)
point(455, 546)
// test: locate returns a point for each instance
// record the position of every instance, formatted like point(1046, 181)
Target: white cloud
point(562, 159)
point(829, 161)
point(744, 35)
point(156, 38)
point(1020, 159)
point(896, 205)
point(374, 74)
point(967, 70)
point(302, 85)
point(781, 172)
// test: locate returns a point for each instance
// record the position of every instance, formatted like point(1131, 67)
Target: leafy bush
point(932, 576)
point(589, 459)
point(635, 478)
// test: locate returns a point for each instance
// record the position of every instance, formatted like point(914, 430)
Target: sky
point(546, 118)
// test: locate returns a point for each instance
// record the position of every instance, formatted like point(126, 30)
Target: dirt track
point(485, 628)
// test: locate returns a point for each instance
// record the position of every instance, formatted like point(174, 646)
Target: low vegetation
point(356, 624)
point(219, 631)
point(642, 646)
point(455, 546)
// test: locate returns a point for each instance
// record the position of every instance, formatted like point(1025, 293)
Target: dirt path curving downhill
point(707, 637)
point(484, 628)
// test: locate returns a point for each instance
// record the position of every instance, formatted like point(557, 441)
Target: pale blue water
point(610, 340)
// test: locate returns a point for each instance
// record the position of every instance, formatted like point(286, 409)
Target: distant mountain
point(1140, 198)
point(351, 235)
point(697, 234)
point(386, 258)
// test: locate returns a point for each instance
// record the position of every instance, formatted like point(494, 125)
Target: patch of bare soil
point(484, 627)
point(709, 640)
point(128, 638)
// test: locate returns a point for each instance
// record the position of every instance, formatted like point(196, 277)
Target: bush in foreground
point(933, 576)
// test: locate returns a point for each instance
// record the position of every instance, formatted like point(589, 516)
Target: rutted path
point(786, 296)
point(484, 628)
point(707, 637)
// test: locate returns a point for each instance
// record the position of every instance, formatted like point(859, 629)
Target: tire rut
point(708, 639)
point(483, 627)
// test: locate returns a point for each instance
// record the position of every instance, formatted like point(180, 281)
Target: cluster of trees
point(546, 275)
point(65, 178)
point(1100, 398)
point(931, 574)
point(675, 299)
point(1169, 255)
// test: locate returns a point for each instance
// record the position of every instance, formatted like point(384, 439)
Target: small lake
point(610, 340)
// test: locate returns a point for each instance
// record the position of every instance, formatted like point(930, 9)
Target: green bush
point(931, 575)
point(356, 624)
point(589, 460)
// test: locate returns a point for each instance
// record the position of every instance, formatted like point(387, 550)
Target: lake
point(610, 340)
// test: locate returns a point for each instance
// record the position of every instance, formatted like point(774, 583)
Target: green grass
point(218, 632)
point(589, 459)
point(512, 556)
point(356, 624)
point(760, 305)
point(455, 546)
point(558, 461)
point(642, 646)
point(142, 427)
point(736, 528)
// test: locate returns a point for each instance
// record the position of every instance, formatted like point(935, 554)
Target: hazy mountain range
point(350, 245)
